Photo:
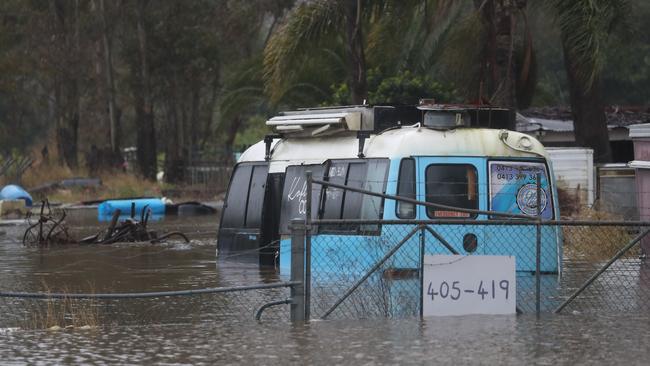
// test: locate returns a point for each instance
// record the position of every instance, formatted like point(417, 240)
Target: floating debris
point(50, 229)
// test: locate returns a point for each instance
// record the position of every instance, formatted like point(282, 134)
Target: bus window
point(234, 212)
point(256, 196)
point(452, 185)
point(406, 188)
point(352, 200)
point(333, 201)
point(513, 188)
point(367, 174)
point(372, 206)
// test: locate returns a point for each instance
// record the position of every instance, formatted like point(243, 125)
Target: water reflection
point(451, 340)
point(125, 267)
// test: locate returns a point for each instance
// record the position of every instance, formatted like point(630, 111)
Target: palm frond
point(446, 16)
point(307, 24)
point(407, 34)
point(586, 26)
point(457, 62)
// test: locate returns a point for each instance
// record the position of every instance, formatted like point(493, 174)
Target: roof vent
point(443, 116)
point(445, 119)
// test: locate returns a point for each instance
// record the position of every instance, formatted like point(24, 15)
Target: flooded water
point(559, 339)
point(516, 340)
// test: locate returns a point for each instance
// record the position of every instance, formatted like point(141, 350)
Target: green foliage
point(586, 26)
point(402, 88)
point(626, 76)
point(407, 88)
point(219, 68)
point(254, 130)
point(306, 26)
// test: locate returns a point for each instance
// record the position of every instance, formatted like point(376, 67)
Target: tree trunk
point(68, 101)
point(210, 109)
point(355, 53)
point(67, 118)
point(499, 79)
point(231, 134)
point(145, 130)
point(173, 158)
point(194, 121)
point(588, 111)
point(110, 84)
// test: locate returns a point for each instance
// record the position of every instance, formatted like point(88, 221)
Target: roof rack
point(325, 121)
point(317, 122)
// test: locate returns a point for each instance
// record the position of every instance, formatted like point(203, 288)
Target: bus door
point(456, 182)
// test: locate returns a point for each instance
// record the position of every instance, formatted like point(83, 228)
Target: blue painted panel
point(156, 205)
point(354, 254)
point(390, 206)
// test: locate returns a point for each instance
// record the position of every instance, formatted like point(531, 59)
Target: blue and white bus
point(433, 153)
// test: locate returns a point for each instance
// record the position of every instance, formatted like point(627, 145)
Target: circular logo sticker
point(527, 199)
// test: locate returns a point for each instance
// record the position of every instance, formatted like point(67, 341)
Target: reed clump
point(62, 313)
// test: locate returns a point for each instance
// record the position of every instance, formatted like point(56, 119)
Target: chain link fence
point(374, 268)
point(378, 272)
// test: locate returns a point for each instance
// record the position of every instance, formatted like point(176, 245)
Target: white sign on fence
point(459, 285)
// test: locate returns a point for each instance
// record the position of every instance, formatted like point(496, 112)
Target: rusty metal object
point(50, 229)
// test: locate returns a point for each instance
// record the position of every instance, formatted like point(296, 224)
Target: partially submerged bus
point(453, 155)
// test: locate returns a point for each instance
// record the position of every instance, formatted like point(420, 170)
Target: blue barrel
point(14, 192)
point(156, 205)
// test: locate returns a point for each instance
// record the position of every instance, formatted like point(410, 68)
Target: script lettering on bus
point(299, 192)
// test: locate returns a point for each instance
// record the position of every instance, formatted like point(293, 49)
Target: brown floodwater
point(215, 334)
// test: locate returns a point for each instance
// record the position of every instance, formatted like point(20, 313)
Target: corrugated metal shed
point(574, 169)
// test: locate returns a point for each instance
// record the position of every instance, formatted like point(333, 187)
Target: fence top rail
point(532, 221)
point(420, 203)
point(134, 295)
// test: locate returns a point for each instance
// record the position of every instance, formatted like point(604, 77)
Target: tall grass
point(597, 243)
point(115, 184)
point(66, 312)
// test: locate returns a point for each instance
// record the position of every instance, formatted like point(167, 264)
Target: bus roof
point(397, 143)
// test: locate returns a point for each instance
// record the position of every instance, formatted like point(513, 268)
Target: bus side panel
point(390, 206)
point(520, 241)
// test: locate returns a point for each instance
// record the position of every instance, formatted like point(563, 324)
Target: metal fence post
point(422, 249)
point(308, 246)
point(297, 271)
point(538, 245)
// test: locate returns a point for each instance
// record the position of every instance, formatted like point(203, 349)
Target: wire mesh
point(385, 268)
point(377, 273)
point(623, 287)
point(222, 307)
